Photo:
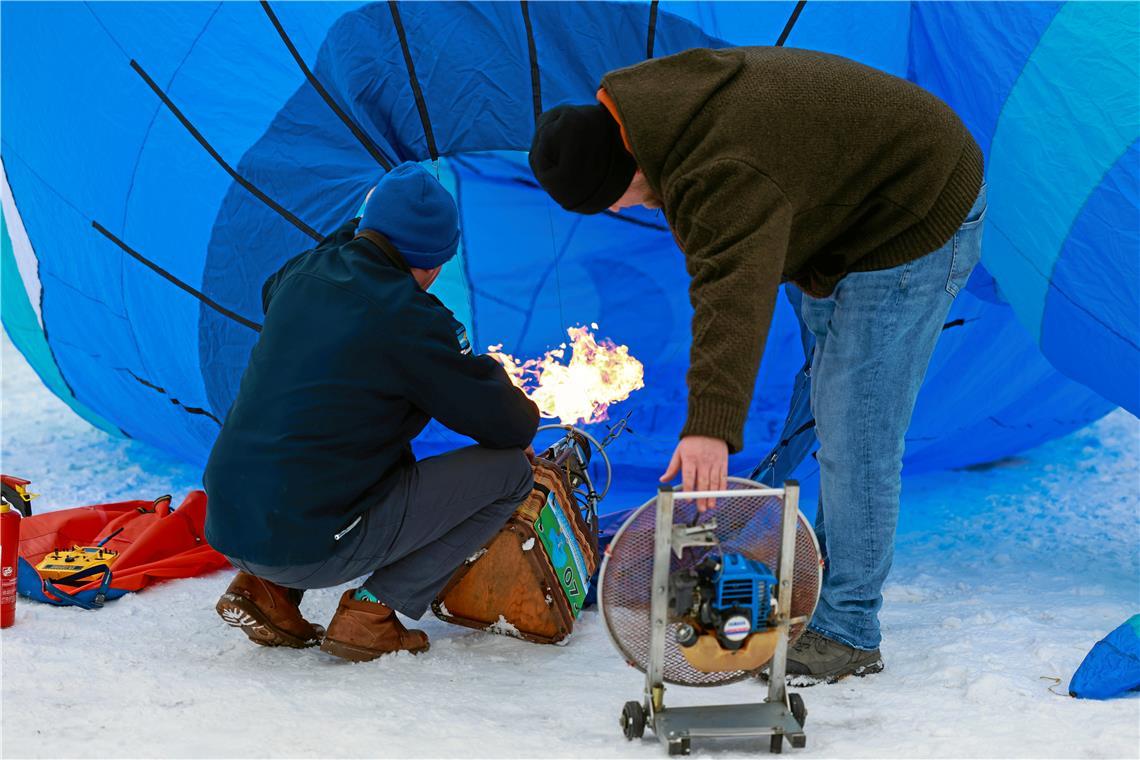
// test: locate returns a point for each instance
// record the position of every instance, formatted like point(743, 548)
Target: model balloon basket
point(531, 580)
point(707, 599)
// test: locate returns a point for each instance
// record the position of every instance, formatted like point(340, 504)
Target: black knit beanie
point(579, 158)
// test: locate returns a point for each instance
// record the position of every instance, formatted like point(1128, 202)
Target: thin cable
point(557, 273)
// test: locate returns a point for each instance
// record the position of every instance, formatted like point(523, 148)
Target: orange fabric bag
point(153, 541)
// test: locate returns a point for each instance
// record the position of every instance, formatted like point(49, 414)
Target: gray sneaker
point(814, 659)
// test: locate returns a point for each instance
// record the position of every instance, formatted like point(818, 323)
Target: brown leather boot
point(267, 613)
point(362, 631)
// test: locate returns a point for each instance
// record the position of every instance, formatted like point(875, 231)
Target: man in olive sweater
point(775, 165)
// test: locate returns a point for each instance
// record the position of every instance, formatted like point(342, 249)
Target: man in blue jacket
point(312, 481)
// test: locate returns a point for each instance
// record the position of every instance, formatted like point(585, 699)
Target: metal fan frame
point(781, 715)
point(744, 483)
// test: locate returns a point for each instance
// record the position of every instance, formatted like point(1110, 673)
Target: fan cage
point(748, 525)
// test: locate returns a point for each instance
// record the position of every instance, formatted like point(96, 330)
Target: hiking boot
point(815, 659)
point(362, 630)
point(267, 613)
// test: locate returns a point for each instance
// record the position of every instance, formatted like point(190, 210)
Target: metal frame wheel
point(799, 712)
point(679, 746)
point(776, 745)
point(633, 720)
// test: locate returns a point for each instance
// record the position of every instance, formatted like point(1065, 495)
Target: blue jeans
point(874, 338)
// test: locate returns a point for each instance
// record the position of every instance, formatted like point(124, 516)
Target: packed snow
point(1005, 576)
point(504, 627)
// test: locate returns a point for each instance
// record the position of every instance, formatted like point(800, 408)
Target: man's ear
point(425, 277)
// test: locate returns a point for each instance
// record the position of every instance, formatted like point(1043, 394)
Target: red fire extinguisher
point(9, 545)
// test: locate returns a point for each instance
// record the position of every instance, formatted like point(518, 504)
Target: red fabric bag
point(153, 541)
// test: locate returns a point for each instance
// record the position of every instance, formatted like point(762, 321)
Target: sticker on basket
point(564, 552)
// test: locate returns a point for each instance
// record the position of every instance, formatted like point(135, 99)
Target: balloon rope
point(557, 273)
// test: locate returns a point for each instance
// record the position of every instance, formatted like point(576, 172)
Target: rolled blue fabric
point(1112, 667)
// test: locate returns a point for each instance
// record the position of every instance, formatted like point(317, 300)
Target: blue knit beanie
point(415, 212)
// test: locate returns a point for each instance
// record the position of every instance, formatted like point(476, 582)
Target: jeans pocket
point(962, 264)
point(977, 213)
point(967, 247)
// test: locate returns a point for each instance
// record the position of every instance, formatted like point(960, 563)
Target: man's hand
point(703, 464)
point(529, 451)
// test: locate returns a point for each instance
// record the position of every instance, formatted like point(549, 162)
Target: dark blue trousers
point(437, 513)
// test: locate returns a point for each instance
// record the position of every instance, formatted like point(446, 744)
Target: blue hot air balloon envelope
point(161, 159)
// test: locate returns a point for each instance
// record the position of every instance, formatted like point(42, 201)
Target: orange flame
point(598, 374)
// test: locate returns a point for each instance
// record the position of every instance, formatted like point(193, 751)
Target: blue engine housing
point(744, 584)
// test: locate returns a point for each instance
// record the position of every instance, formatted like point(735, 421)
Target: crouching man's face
point(639, 193)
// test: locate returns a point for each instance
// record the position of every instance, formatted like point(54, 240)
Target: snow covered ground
point(1005, 576)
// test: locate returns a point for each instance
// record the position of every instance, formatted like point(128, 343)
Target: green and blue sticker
point(565, 553)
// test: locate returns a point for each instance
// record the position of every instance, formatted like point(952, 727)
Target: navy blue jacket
point(353, 360)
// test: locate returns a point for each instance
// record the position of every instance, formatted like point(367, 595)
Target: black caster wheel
point(633, 720)
point(798, 741)
point(679, 747)
point(799, 712)
point(776, 745)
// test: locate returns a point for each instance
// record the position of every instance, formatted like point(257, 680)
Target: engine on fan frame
point(724, 606)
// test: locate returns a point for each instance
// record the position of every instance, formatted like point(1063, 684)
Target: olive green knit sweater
point(777, 164)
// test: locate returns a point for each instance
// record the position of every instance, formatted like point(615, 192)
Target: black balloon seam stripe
point(771, 457)
point(421, 104)
point(809, 425)
point(353, 127)
point(288, 215)
point(190, 409)
point(791, 23)
point(174, 280)
point(651, 35)
point(532, 49)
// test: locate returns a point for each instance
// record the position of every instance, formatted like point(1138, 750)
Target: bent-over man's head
point(580, 159)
